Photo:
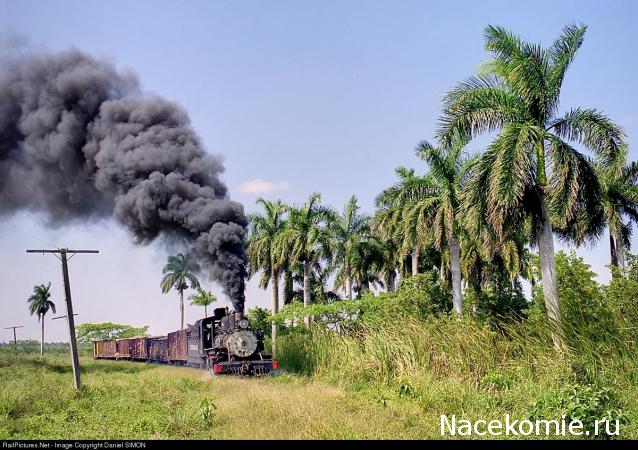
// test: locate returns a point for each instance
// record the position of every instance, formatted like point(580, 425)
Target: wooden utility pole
point(63, 252)
point(15, 340)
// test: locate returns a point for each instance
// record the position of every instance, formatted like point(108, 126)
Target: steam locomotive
point(223, 343)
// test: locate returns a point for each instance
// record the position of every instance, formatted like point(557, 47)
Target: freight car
point(223, 343)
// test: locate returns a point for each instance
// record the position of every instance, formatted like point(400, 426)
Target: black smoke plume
point(79, 140)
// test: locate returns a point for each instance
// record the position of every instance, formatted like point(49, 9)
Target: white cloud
point(259, 186)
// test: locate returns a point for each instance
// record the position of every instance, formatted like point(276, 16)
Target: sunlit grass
point(466, 368)
point(133, 400)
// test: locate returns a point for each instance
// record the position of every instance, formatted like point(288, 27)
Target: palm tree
point(203, 298)
point(368, 265)
point(306, 238)
point(390, 262)
point(439, 209)
point(176, 275)
point(424, 209)
point(40, 304)
point(264, 230)
point(619, 188)
point(319, 275)
point(518, 97)
point(352, 235)
point(392, 222)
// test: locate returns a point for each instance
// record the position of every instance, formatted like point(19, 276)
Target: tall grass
point(468, 367)
point(442, 347)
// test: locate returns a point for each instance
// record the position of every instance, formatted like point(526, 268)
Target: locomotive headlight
point(243, 323)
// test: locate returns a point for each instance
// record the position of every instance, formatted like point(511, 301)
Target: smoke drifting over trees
point(79, 140)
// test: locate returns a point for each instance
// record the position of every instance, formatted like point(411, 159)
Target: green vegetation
point(405, 346)
point(472, 219)
point(31, 347)
point(87, 332)
point(263, 254)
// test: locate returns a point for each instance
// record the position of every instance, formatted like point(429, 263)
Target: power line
point(63, 252)
point(15, 340)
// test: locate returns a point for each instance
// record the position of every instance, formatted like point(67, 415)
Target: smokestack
point(79, 140)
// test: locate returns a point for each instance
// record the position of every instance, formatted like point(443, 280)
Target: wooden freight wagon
point(123, 348)
point(109, 349)
point(158, 349)
point(177, 347)
point(104, 349)
point(98, 349)
point(138, 348)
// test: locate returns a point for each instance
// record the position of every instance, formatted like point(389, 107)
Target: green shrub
point(260, 318)
point(589, 327)
point(497, 381)
point(207, 408)
point(621, 293)
point(419, 296)
point(423, 296)
point(586, 403)
point(501, 301)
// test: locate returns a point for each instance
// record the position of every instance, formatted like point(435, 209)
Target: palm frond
point(575, 194)
point(478, 105)
point(561, 55)
point(592, 129)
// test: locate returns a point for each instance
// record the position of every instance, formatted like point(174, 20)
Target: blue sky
point(305, 96)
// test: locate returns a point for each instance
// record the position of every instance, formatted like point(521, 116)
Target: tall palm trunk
point(288, 286)
point(42, 337)
point(455, 260)
point(348, 282)
point(617, 251)
point(274, 281)
point(415, 260)
point(392, 276)
point(613, 249)
point(548, 272)
point(181, 308)
point(205, 311)
point(306, 288)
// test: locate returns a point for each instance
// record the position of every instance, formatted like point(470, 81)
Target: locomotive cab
point(210, 326)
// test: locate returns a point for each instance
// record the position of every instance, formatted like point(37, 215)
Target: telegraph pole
point(15, 340)
point(63, 252)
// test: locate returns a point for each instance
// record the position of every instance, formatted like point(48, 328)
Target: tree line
point(470, 217)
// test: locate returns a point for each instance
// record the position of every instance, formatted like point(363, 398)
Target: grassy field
point(387, 386)
point(122, 400)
